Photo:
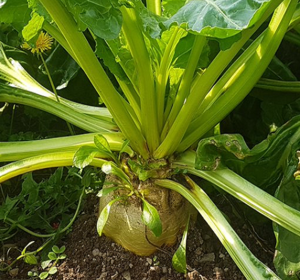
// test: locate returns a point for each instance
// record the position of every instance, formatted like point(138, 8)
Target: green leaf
point(150, 218)
point(110, 60)
point(55, 249)
point(43, 275)
point(171, 7)
point(179, 258)
point(102, 144)
point(52, 270)
point(263, 165)
point(219, 18)
point(101, 17)
point(52, 256)
point(6, 207)
point(111, 168)
point(33, 28)
point(124, 147)
point(45, 264)
point(62, 67)
point(84, 156)
point(30, 259)
point(15, 12)
point(62, 256)
point(104, 216)
point(106, 191)
point(287, 255)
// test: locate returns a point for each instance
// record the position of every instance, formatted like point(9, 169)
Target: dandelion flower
point(43, 43)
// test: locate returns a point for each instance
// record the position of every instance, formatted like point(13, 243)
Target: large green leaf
point(14, 12)
point(287, 256)
point(218, 18)
point(263, 165)
point(102, 17)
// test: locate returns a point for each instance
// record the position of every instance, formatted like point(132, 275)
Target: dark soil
point(90, 257)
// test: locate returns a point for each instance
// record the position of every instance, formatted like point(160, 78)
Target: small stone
point(170, 270)
point(210, 257)
point(115, 276)
point(14, 272)
point(102, 276)
point(206, 237)
point(163, 278)
point(226, 269)
point(113, 244)
point(164, 269)
point(221, 256)
point(126, 275)
point(149, 261)
point(96, 252)
point(131, 265)
point(198, 251)
point(112, 262)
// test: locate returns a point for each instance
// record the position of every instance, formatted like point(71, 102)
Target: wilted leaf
point(150, 218)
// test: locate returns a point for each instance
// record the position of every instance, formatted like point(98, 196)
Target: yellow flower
point(43, 43)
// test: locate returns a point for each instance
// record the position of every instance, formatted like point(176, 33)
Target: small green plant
point(54, 257)
point(49, 265)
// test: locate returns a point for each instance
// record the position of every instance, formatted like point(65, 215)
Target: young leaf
point(179, 258)
point(45, 264)
point(52, 256)
point(84, 156)
point(106, 191)
point(30, 259)
point(104, 216)
point(52, 270)
point(150, 218)
point(124, 146)
point(43, 275)
point(32, 29)
point(62, 256)
point(111, 168)
point(55, 249)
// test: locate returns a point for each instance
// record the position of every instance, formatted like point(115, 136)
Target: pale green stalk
point(251, 267)
point(247, 73)
point(96, 74)
point(186, 82)
point(86, 122)
point(154, 6)
point(246, 192)
point(41, 162)
point(148, 100)
point(11, 151)
point(276, 85)
point(201, 86)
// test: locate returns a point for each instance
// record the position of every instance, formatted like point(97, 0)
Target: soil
point(90, 257)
